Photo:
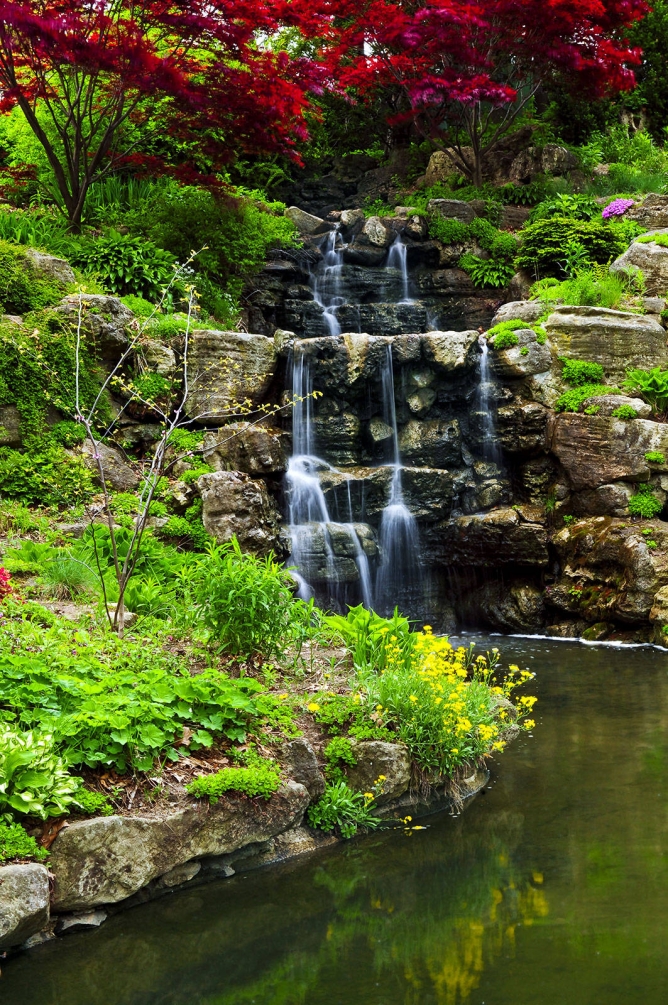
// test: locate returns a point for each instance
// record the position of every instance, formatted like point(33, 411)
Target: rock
point(451, 351)
point(596, 450)
point(441, 166)
point(488, 540)
point(228, 369)
point(608, 572)
point(659, 616)
point(352, 217)
point(520, 285)
point(107, 859)
point(376, 233)
point(24, 902)
point(514, 217)
point(244, 446)
point(117, 473)
point(651, 213)
point(237, 505)
point(452, 209)
point(300, 763)
point(557, 160)
point(80, 921)
point(597, 632)
point(615, 339)
point(525, 165)
point(49, 267)
point(180, 874)
point(380, 432)
point(522, 360)
point(10, 426)
point(509, 607)
point(160, 358)
point(327, 553)
point(608, 403)
point(376, 758)
point(419, 402)
point(652, 259)
point(606, 500)
point(104, 320)
point(519, 310)
point(432, 443)
point(417, 227)
point(306, 223)
point(522, 427)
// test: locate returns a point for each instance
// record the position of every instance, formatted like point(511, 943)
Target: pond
point(551, 889)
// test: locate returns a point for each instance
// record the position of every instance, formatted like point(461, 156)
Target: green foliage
point(572, 400)
point(366, 635)
point(68, 434)
point(595, 286)
point(625, 412)
point(502, 335)
point(644, 503)
point(341, 808)
point(140, 308)
point(261, 779)
point(655, 457)
point(487, 271)
point(33, 779)
point(447, 230)
point(592, 410)
point(93, 804)
point(543, 244)
point(22, 289)
point(247, 602)
point(496, 270)
point(660, 239)
point(338, 751)
point(49, 477)
point(578, 372)
point(651, 385)
point(577, 207)
point(119, 702)
point(15, 843)
point(127, 265)
point(69, 577)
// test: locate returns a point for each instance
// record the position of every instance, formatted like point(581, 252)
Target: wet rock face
point(493, 539)
point(516, 606)
point(237, 505)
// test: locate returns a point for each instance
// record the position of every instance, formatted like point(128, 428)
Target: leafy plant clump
point(543, 244)
point(34, 780)
point(497, 269)
point(651, 385)
point(644, 503)
point(655, 457)
point(625, 412)
point(578, 372)
point(15, 843)
point(595, 287)
point(660, 239)
point(583, 375)
point(502, 335)
point(260, 779)
point(127, 265)
point(343, 809)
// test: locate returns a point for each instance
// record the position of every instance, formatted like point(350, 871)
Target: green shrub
point(651, 385)
point(491, 271)
point(68, 434)
point(15, 843)
point(338, 751)
point(342, 808)
point(543, 244)
point(127, 265)
point(576, 207)
point(22, 290)
point(246, 602)
point(502, 335)
point(49, 477)
point(367, 635)
point(625, 412)
point(592, 409)
point(644, 503)
point(93, 804)
point(140, 308)
point(572, 400)
point(33, 778)
point(257, 780)
point(655, 457)
point(578, 372)
point(448, 230)
point(594, 287)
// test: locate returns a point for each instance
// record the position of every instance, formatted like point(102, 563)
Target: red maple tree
point(468, 69)
point(88, 75)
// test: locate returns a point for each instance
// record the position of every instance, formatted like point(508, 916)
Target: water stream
point(397, 258)
point(326, 283)
point(550, 889)
point(486, 406)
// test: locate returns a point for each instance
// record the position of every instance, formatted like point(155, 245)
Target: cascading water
point(486, 405)
point(309, 517)
point(326, 280)
point(399, 569)
point(397, 258)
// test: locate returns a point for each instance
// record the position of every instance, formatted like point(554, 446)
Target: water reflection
point(550, 889)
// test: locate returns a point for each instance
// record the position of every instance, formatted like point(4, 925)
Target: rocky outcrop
point(488, 540)
point(237, 505)
point(116, 471)
point(107, 859)
point(651, 213)
point(228, 371)
point(301, 765)
point(381, 767)
point(651, 258)
point(49, 267)
point(595, 450)
point(244, 446)
point(615, 339)
point(104, 320)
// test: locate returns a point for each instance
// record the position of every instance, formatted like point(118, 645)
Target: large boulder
point(228, 370)
point(432, 443)
point(526, 358)
point(306, 223)
point(519, 310)
point(615, 339)
point(651, 258)
point(237, 505)
point(651, 213)
point(330, 553)
point(452, 209)
point(49, 267)
point(383, 766)
point(24, 902)
point(451, 351)
point(301, 765)
point(522, 427)
point(104, 320)
point(595, 450)
point(609, 572)
point(106, 859)
point(116, 471)
point(244, 446)
point(487, 540)
point(442, 166)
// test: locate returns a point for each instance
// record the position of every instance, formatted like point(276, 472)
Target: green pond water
point(550, 889)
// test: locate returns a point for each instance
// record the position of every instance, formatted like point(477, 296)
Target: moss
point(21, 289)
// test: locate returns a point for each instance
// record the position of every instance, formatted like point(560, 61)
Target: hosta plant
point(33, 779)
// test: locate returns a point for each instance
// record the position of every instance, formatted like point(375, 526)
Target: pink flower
point(617, 208)
point(5, 584)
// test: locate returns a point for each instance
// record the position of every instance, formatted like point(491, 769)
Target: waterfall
point(399, 569)
point(397, 259)
point(309, 518)
point(486, 406)
point(326, 280)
